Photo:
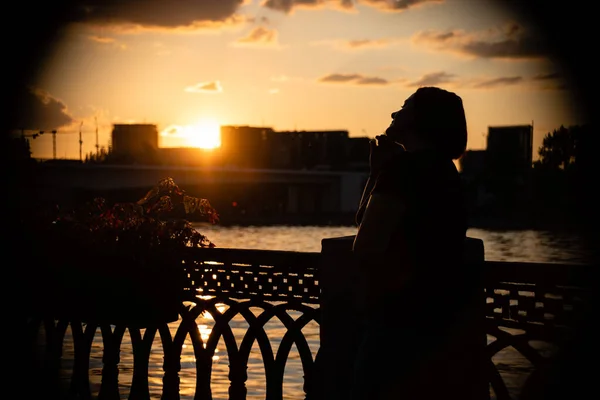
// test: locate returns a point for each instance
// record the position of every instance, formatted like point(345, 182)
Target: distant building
point(358, 154)
point(279, 145)
point(509, 165)
point(135, 143)
point(319, 149)
point(510, 149)
point(245, 146)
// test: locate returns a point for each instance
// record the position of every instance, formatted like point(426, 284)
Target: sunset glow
point(205, 134)
point(254, 63)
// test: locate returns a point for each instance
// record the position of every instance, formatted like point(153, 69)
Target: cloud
point(107, 41)
point(155, 13)
point(547, 77)
point(288, 6)
point(511, 41)
point(260, 36)
point(362, 43)
point(233, 22)
point(102, 39)
point(339, 78)
point(502, 81)
point(205, 87)
point(357, 44)
point(273, 91)
point(367, 80)
point(356, 79)
point(550, 81)
point(433, 79)
point(41, 111)
point(173, 131)
point(397, 5)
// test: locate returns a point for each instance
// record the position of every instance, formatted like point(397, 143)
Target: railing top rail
point(551, 274)
point(235, 251)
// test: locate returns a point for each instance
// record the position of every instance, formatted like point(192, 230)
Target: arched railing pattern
point(525, 303)
point(533, 303)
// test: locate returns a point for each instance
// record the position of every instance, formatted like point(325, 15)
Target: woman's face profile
point(402, 122)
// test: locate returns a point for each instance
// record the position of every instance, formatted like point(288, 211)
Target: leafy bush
point(155, 222)
point(116, 264)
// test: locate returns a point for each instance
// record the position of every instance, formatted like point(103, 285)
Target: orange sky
point(337, 64)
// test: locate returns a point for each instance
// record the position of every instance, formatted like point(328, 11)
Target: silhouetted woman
point(412, 228)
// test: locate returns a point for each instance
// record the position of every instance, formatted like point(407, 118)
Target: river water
point(525, 245)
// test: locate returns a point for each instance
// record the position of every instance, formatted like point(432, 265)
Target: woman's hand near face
point(382, 150)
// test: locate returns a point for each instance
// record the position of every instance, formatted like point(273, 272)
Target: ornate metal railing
point(533, 309)
point(525, 302)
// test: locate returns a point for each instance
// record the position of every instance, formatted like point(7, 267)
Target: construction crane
point(37, 134)
point(53, 142)
point(28, 133)
point(97, 145)
point(34, 135)
point(80, 142)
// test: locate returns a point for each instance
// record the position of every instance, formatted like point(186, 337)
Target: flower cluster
point(155, 222)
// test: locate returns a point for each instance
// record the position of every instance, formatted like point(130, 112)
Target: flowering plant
point(119, 263)
point(155, 221)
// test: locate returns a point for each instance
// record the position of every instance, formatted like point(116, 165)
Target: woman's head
point(431, 118)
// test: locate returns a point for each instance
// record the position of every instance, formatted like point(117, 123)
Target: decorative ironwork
point(253, 274)
point(277, 283)
point(525, 302)
point(531, 302)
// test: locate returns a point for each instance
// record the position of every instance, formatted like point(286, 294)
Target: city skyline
point(190, 70)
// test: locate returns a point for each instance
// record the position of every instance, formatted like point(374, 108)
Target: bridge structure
point(286, 192)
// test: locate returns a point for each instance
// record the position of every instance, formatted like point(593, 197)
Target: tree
point(565, 148)
point(564, 176)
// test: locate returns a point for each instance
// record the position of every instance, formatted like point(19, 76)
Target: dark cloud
point(157, 13)
point(38, 110)
point(503, 81)
point(547, 77)
point(286, 6)
point(397, 5)
point(509, 42)
point(550, 81)
point(356, 79)
point(433, 79)
point(205, 87)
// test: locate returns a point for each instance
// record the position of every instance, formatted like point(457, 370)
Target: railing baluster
point(82, 341)
point(171, 366)
point(141, 358)
point(238, 375)
point(109, 388)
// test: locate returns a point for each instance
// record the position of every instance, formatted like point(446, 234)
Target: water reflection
point(500, 245)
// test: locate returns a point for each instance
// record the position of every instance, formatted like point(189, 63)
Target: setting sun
point(205, 134)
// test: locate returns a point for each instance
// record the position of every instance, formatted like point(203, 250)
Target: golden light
point(206, 134)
